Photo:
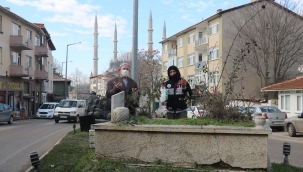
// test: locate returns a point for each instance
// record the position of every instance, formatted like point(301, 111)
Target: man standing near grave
point(178, 91)
point(126, 84)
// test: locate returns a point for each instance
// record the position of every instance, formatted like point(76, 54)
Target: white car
point(46, 110)
point(194, 112)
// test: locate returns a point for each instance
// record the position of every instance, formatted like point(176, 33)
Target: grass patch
point(141, 120)
point(73, 154)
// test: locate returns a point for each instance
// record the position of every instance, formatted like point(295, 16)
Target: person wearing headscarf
point(178, 90)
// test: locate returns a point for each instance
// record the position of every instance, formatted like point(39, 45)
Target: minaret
point(164, 32)
point(150, 33)
point(96, 47)
point(115, 43)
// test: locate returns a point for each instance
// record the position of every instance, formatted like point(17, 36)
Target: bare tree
point(57, 68)
point(79, 87)
point(273, 38)
point(149, 76)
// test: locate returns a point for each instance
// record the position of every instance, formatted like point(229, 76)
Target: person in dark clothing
point(177, 90)
point(93, 96)
point(126, 84)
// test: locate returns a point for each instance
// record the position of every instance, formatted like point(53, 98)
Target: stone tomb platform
point(243, 147)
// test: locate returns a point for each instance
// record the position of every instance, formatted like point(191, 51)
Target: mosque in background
point(98, 81)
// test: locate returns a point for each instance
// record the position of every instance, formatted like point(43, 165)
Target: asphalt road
point(275, 148)
point(21, 138)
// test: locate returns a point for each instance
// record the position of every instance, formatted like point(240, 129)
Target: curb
point(31, 167)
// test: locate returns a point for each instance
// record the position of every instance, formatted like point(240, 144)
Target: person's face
point(124, 67)
point(172, 72)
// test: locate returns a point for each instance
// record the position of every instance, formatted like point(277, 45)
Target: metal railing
point(172, 52)
point(201, 41)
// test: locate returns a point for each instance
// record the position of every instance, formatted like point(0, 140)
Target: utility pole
point(135, 42)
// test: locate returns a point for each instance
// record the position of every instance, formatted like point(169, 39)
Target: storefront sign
point(11, 86)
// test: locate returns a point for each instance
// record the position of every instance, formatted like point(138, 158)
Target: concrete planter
point(243, 147)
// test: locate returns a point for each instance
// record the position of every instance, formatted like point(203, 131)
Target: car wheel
point(291, 130)
point(56, 120)
point(11, 120)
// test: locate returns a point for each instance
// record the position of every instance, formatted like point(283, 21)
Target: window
point(36, 41)
point(200, 35)
point(214, 77)
point(28, 61)
point(165, 66)
point(16, 58)
point(299, 103)
point(172, 61)
point(28, 35)
point(214, 53)
point(42, 40)
point(214, 28)
point(285, 101)
point(191, 38)
point(191, 58)
point(1, 24)
point(0, 55)
point(200, 77)
point(15, 29)
point(165, 48)
point(200, 57)
point(180, 42)
point(299, 100)
point(180, 62)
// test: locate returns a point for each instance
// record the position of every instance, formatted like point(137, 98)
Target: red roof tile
point(292, 84)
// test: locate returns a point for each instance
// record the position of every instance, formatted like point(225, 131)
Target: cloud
point(75, 14)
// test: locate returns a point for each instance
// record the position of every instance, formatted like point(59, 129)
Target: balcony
point(173, 52)
point(40, 75)
point(17, 42)
point(41, 51)
point(19, 71)
point(200, 64)
point(201, 41)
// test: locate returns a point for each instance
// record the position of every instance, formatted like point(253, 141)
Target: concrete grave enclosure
point(241, 147)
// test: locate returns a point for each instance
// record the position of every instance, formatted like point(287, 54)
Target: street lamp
point(65, 85)
point(62, 66)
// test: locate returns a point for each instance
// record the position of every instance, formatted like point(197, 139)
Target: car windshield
point(47, 106)
point(67, 104)
point(199, 108)
point(269, 109)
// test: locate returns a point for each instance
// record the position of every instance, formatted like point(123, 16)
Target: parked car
point(274, 116)
point(194, 112)
point(294, 125)
point(6, 113)
point(161, 112)
point(46, 110)
point(69, 110)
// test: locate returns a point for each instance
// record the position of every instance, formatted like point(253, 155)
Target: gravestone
point(117, 100)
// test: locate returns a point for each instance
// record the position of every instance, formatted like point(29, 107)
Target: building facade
point(26, 62)
point(207, 44)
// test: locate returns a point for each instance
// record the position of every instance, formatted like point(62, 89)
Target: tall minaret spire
point(164, 31)
point(150, 33)
point(115, 43)
point(96, 47)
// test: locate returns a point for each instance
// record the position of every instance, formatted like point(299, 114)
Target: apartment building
point(207, 44)
point(26, 62)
